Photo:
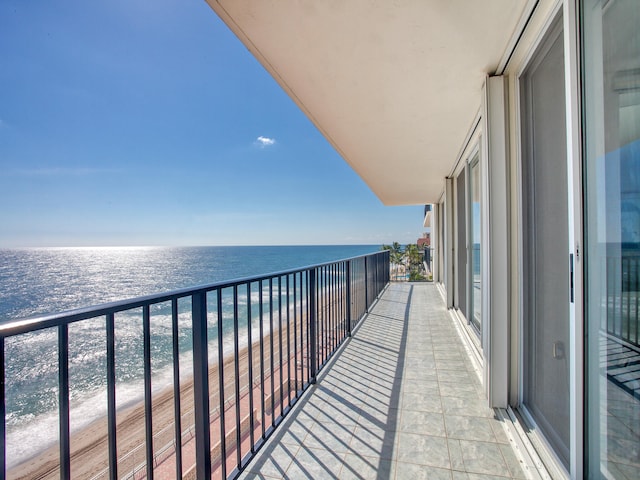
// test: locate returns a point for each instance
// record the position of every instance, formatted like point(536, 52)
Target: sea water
point(41, 281)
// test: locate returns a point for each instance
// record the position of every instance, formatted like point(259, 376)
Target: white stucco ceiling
point(394, 86)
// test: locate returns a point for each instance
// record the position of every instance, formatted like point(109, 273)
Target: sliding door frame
point(568, 9)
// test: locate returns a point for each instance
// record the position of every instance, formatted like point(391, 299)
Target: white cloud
point(265, 141)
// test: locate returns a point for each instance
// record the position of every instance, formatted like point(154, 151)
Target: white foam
point(29, 435)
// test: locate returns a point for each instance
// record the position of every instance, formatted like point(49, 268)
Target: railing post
point(366, 286)
point(348, 296)
point(312, 325)
point(63, 403)
point(236, 361)
point(111, 397)
point(3, 416)
point(375, 276)
point(221, 416)
point(250, 369)
point(387, 263)
point(148, 404)
point(379, 274)
point(176, 385)
point(201, 384)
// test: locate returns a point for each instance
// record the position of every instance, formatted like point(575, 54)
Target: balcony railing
point(622, 318)
point(255, 345)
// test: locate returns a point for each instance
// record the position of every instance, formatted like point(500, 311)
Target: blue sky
point(129, 122)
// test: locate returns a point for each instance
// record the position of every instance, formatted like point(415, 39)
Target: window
point(611, 79)
point(475, 236)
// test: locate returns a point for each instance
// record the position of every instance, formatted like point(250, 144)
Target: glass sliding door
point(461, 244)
point(475, 212)
point(546, 244)
point(611, 103)
point(441, 245)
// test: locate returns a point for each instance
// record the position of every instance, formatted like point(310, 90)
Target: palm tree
point(396, 257)
point(414, 261)
point(397, 254)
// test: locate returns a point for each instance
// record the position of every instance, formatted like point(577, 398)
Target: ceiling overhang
point(393, 86)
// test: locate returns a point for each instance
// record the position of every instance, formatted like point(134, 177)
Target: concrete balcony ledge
point(401, 400)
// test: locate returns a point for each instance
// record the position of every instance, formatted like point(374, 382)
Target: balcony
point(216, 367)
point(402, 399)
point(359, 378)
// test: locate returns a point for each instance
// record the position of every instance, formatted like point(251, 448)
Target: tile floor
point(401, 401)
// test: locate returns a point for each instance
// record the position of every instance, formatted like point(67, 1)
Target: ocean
point(40, 281)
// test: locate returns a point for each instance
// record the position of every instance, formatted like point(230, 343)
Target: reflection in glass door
point(611, 77)
point(475, 210)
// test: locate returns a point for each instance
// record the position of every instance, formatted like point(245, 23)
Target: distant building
point(424, 241)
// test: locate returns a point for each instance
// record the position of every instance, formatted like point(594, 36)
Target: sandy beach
point(89, 446)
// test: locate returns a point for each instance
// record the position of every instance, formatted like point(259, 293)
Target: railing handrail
point(40, 322)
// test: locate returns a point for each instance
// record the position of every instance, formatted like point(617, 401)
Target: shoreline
point(89, 445)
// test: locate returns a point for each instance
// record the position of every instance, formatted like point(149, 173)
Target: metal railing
point(256, 344)
point(622, 318)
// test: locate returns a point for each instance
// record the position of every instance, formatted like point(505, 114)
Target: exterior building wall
point(504, 288)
